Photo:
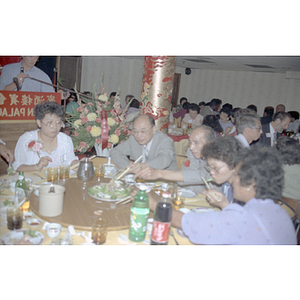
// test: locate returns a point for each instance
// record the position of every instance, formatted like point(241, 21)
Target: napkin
point(123, 240)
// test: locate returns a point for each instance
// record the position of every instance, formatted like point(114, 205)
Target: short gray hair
point(246, 120)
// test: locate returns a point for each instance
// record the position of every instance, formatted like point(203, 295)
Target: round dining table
point(79, 210)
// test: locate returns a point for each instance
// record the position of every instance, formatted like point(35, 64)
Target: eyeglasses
point(142, 132)
point(216, 170)
point(52, 124)
point(256, 127)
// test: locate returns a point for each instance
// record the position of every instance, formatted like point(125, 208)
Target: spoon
point(51, 188)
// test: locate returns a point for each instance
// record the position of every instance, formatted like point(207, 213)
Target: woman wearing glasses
point(46, 146)
point(219, 156)
point(257, 181)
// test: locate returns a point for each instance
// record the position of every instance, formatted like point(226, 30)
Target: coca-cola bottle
point(162, 221)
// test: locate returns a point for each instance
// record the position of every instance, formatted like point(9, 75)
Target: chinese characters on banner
point(17, 105)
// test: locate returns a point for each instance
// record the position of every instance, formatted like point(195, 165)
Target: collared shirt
point(146, 151)
point(272, 131)
point(242, 139)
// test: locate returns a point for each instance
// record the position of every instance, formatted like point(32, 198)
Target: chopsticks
point(124, 201)
point(124, 172)
point(209, 186)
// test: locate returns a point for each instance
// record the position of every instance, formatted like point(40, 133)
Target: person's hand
point(44, 161)
point(212, 196)
point(148, 173)
point(21, 77)
point(137, 167)
point(6, 153)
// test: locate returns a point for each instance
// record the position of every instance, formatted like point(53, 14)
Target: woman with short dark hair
point(46, 146)
point(193, 117)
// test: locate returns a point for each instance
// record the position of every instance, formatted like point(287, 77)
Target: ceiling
point(270, 64)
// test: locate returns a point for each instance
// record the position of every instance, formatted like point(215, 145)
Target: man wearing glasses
point(157, 148)
point(194, 169)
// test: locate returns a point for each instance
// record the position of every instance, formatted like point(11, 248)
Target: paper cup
point(51, 204)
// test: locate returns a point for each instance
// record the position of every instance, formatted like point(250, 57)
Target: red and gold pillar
point(156, 98)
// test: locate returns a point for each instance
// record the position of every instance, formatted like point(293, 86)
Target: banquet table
point(79, 210)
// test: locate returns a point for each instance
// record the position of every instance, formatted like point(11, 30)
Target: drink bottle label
point(138, 220)
point(160, 231)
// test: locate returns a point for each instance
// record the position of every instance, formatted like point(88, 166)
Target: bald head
point(200, 136)
point(143, 129)
point(280, 107)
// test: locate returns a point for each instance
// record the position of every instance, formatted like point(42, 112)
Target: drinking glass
point(14, 216)
point(99, 230)
point(52, 174)
point(99, 171)
point(64, 172)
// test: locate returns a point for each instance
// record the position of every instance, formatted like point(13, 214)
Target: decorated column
point(156, 98)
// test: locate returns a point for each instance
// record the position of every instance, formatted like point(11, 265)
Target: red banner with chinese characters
point(18, 105)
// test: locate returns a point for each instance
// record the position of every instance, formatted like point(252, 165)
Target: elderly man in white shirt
point(249, 128)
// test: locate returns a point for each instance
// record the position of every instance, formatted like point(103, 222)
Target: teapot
point(85, 170)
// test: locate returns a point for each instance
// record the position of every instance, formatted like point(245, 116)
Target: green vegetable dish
point(115, 191)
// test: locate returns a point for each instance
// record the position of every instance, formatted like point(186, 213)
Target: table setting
point(78, 205)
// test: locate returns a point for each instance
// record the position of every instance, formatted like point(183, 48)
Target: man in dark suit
point(268, 114)
point(272, 131)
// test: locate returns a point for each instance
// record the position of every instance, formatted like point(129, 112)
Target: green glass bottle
point(21, 187)
point(139, 215)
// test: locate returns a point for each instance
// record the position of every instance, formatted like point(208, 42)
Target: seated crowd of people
point(253, 163)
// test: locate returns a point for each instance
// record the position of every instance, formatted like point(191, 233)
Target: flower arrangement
point(35, 146)
point(98, 122)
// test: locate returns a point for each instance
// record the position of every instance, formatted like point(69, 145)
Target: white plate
point(28, 215)
point(5, 240)
point(32, 177)
point(138, 184)
point(185, 193)
point(34, 222)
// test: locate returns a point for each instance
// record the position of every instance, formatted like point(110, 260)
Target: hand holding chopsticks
point(209, 186)
point(127, 170)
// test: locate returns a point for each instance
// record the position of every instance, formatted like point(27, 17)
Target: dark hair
point(282, 115)
point(194, 106)
point(201, 103)
point(112, 94)
point(228, 106)
point(253, 107)
point(294, 114)
point(186, 105)
point(289, 150)
point(262, 166)
point(269, 110)
point(224, 149)
point(215, 102)
point(213, 122)
point(48, 107)
point(182, 99)
point(225, 110)
point(135, 103)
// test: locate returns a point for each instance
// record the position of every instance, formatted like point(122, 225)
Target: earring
point(248, 189)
